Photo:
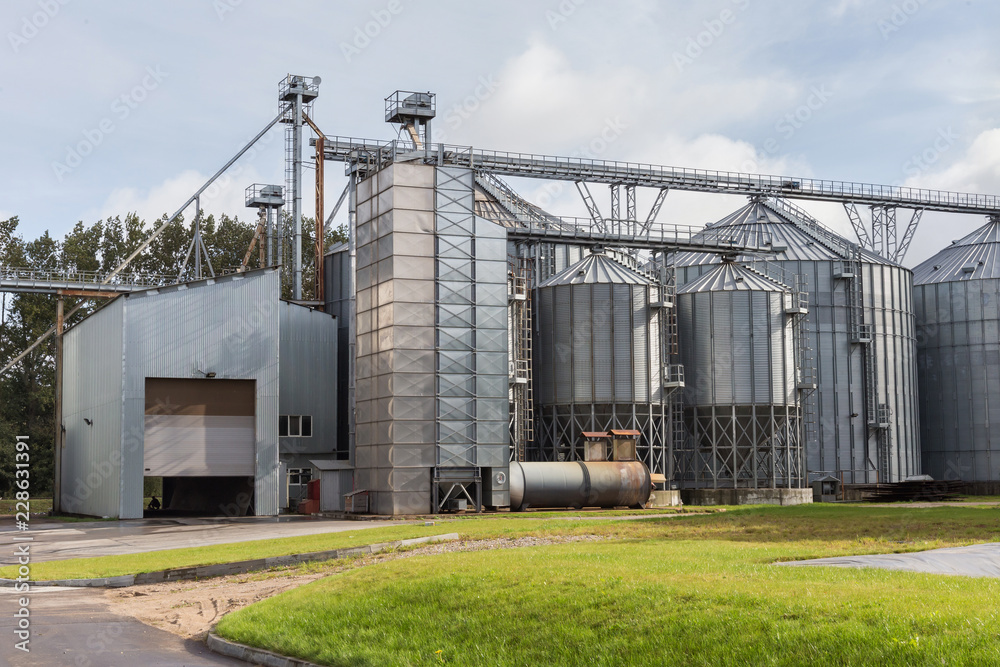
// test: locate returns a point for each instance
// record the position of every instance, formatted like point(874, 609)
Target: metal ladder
point(877, 415)
point(519, 298)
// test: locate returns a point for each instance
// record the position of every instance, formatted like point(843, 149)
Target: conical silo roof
point(758, 223)
point(596, 269)
point(975, 257)
point(731, 277)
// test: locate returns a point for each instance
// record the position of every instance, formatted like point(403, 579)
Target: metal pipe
point(318, 221)
point(270, 236)
point(197, 238)
point(579, 484)
point(297, 199)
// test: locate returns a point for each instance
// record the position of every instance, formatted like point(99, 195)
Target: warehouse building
point(215, 386)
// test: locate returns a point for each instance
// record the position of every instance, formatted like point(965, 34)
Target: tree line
point(27, 397)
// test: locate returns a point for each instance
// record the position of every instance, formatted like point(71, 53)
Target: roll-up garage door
point(199, 428)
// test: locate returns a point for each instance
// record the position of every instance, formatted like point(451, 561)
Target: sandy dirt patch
point(191, 608)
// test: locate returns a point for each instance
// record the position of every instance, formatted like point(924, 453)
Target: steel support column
point(588, 199)
point(655, 209)
point(859, 226)
point(57, 443)
point(911, 228)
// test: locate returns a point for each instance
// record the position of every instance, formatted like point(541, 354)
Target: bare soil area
point(191, 608)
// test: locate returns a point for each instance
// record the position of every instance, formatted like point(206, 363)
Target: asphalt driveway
point(73, 627)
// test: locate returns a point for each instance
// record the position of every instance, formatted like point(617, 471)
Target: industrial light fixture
point(210, 374)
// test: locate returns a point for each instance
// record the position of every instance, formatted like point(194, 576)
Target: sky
point(110, 107)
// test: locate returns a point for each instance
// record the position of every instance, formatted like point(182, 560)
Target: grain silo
point(599, 361)
point(738, 330)
point(861, 422)
point(956, 296)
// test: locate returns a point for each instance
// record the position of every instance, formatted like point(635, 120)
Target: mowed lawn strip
point(830, 530)
point(153, 561)
point(650, 602)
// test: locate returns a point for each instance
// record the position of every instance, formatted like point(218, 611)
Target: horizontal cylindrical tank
point(579, 484)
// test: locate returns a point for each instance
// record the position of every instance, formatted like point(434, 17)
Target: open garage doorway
point(199, 438)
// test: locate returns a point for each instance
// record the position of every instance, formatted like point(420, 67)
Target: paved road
point(73, 627)
point(57, 540)
point(978, 560)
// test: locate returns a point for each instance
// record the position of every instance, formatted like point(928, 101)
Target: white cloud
point(552, 106)
point(978, 170)
point(541, 102)
point(226, 195)
point(544, 102)
point(841, 7)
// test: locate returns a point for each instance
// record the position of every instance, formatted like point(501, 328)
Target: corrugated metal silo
point(598, 361)
point(958, 350)
point(862, 421)
point(738, 341)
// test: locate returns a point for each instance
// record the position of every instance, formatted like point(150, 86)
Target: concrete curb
point(239, 567)
point(249, 654)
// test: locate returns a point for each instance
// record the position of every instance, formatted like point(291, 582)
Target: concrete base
point(747, 496)
point(664, 499)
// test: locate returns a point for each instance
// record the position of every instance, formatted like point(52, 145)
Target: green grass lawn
point(692, 590)
point(152, 561)
point(35, 506)
point(830, 529)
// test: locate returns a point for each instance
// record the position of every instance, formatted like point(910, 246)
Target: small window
point(298, 476)
point(295, 426)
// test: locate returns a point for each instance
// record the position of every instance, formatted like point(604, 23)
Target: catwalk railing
point(370, 154)
point(17, 279)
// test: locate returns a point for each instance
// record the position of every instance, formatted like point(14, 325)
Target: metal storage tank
point(599, 362)
point(738, 335)
point(861, 422)
point(958, 350)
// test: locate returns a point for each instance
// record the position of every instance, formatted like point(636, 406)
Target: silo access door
point(199, 428)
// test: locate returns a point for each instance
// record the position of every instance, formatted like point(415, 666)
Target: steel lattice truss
point(740, 447)
point(558, 435)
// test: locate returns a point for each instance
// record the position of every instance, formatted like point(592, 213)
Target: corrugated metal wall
point(889, 307)
point(91, 463)
point(432, 331)
point(597, 362)
point(228, 326)
point(959, 367)
point(337, 291)
point(308, 381)
point(332, 487)
point(841, 441)
point(743, 353)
